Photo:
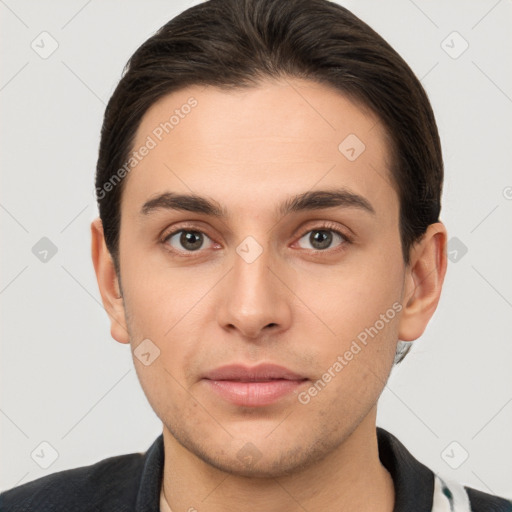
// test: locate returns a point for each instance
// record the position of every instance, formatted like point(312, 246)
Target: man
point(269, 183)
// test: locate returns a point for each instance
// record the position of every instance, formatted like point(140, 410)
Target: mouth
point(253, 386)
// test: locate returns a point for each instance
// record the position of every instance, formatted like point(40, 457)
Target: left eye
point(321, 239)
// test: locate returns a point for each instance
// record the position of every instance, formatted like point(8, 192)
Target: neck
point(349, 478)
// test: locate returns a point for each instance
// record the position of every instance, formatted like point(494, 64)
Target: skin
point(250, 150)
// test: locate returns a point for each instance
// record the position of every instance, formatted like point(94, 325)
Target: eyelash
point(323, 227)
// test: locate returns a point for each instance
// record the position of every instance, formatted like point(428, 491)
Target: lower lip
point(254, 394)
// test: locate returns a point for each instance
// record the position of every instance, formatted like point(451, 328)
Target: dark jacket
point(131, 483)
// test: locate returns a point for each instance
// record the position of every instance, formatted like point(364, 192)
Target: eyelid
point(167, 234)
point(328, 226)
point(182, 226)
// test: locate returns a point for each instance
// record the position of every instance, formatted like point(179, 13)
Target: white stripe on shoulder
point(449, 496)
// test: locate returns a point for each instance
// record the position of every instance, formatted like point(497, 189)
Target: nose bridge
point(252, 296)
point(251, 274)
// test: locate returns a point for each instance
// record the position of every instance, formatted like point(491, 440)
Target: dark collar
point(148, 497)
point(414, 482)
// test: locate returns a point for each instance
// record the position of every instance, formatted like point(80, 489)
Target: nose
point(255, 299)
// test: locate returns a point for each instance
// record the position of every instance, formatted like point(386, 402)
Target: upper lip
point(260, 373)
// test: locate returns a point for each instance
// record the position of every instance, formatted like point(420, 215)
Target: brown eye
point(322, 239)
point(186, 240)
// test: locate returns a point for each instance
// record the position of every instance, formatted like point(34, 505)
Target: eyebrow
point(312, 200)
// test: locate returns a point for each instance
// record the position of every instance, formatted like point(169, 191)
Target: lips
point(253, 386)
point(260, 373)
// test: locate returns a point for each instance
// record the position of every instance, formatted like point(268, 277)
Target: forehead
point(247, 147)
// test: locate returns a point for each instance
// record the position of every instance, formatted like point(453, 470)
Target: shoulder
point(417, 487)
point(452, 495)
point(483, 502)
point(110, 484)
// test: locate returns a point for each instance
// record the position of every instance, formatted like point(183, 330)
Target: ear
point(108, 283)
point(423, 282)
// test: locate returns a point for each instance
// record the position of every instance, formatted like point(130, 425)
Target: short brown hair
point(238, 43)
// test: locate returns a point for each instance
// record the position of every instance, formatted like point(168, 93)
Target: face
point(287, 276)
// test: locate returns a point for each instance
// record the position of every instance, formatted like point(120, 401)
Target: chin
point(261, 459)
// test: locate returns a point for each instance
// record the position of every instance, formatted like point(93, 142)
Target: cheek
point(168, 395)
point(161, 299)
point(351, 376)
point(344, 301)
point(357, 309)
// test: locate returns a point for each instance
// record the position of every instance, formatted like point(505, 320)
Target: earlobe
point(108, 283)
point(423, 282)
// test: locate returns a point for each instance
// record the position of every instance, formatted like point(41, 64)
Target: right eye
point(186, 240)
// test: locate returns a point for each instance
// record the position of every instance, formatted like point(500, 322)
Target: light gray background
point(66, 382)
